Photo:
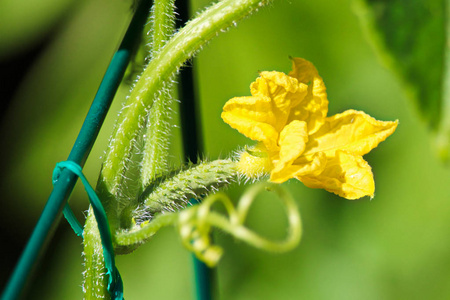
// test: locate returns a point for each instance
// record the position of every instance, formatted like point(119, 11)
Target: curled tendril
point(195, 224)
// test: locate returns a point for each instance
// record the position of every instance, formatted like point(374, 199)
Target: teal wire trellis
point(79, 153)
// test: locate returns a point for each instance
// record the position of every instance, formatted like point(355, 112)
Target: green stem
point(163, 23)
point(161, 69)
point(193, 183)
point(146, 231)
point(95, 281)
point(173, 194)
point(158, 129)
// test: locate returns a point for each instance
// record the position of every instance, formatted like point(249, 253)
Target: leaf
point(24, 22)
point(410, 37)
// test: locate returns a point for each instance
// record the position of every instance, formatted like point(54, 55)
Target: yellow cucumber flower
point(287, 115)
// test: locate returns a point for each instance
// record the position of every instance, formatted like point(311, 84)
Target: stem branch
point(162, 67)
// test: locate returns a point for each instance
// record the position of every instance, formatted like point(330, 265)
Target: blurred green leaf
point(23, 22)
point(410, 37)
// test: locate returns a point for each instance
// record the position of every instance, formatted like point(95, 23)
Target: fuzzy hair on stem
point(175, 192)
point(165, 64)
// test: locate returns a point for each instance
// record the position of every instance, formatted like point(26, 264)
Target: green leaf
point(24, 22)
point(410, 37)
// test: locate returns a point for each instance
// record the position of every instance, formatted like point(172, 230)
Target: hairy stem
point(162, 23)
point(162, 67)
point(165, 197)
point(193, 183)
point(145, 230)
point(95, 279)
point(158, 124)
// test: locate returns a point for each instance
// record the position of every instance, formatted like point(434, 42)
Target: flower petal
point(285, 92)
point(311, 165)
point(346, 175)
point(292, 142)
point(254, 118)
point(351, 131)
point(314, 107)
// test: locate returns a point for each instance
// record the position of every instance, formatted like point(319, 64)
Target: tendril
point(195, 224)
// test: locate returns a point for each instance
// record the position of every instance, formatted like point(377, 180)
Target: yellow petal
point(311, 165)
point(303, 70)
point(292, 143)
point(352, 131)
point(346, 175)
point(254, 118)
point(314, 107)
point(285, 92)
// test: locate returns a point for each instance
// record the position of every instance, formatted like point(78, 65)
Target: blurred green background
point(395, 246)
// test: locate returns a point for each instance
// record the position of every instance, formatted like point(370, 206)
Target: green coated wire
point(80, 151)
point(193, 146)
